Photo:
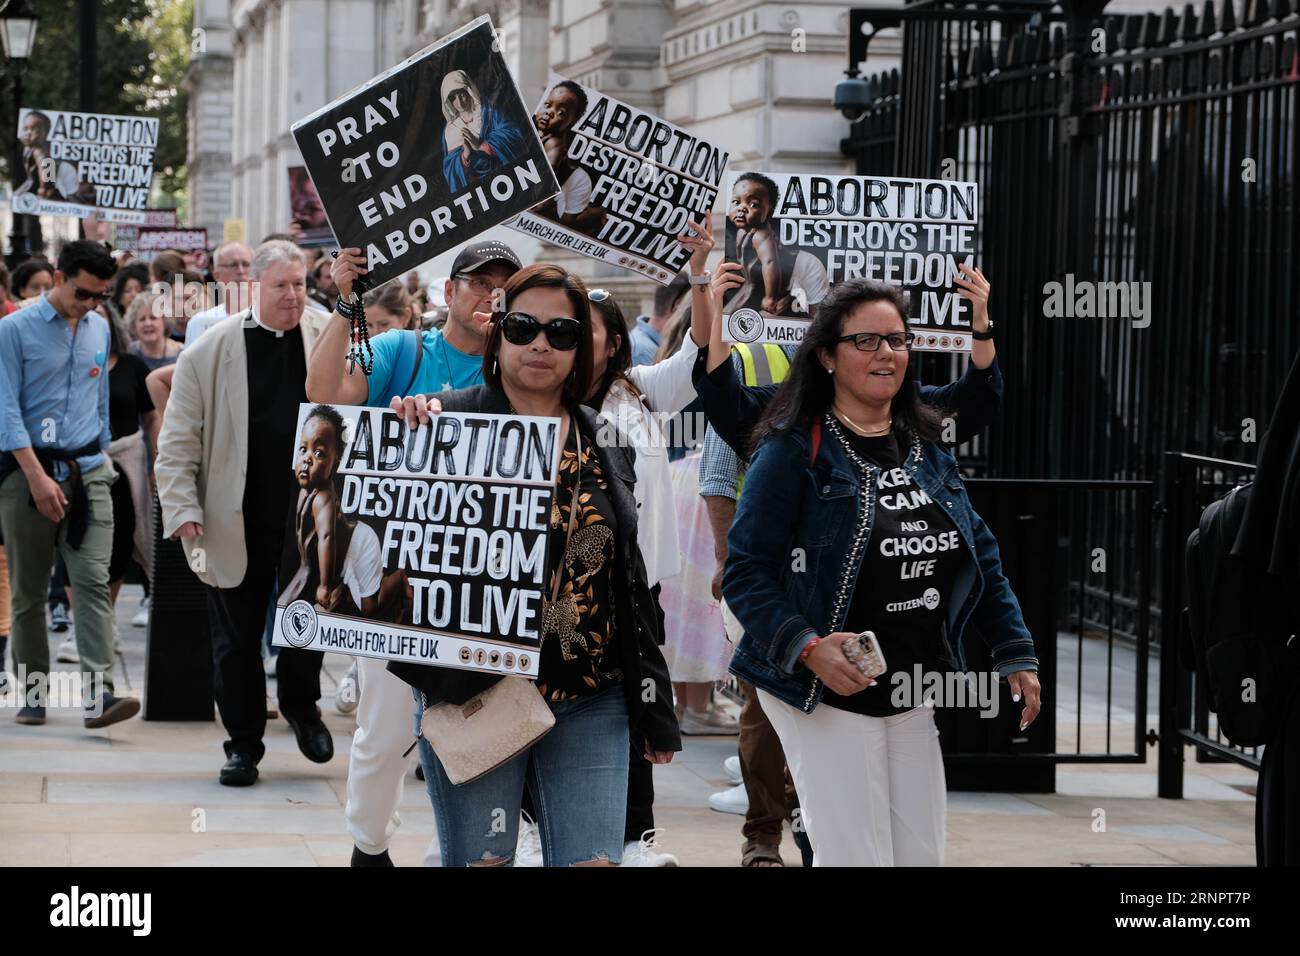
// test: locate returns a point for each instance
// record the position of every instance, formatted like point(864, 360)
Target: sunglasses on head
point(520, 328)
point(84, 295)
point(599, 295)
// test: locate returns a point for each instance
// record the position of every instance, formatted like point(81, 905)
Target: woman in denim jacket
point(855, 518)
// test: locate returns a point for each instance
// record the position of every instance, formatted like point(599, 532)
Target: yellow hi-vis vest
point(769, 366)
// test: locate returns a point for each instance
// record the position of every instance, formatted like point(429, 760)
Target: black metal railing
point(1151, 157)
point(1095, 681)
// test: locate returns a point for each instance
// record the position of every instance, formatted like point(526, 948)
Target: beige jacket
point(203, 447)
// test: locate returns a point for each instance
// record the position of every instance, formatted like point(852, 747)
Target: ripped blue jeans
point(577, 775)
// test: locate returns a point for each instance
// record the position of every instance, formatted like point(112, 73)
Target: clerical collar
point(278, 333)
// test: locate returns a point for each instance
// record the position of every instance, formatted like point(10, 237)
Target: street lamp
point(18, 29)
point(18, 34)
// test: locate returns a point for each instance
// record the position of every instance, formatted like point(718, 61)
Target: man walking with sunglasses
point(55, 477)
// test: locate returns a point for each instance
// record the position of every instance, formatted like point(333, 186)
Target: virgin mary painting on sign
point(478, 138)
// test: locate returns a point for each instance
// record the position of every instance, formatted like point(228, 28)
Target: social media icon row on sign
point(495, 657)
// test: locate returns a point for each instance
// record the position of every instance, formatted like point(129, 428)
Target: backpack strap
point(816, 436)
point(419, 354)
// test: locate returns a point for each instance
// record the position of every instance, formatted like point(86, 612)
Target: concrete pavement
point(146, 793)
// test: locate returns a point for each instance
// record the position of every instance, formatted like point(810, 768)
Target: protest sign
point(629, 181)
point(232, 230)
point(308, 212)
point(427, 546)
point(406, 176)
point(798, 234)
point(182, 240)
point(75, 164)
point(159, 218)
point(128, 236)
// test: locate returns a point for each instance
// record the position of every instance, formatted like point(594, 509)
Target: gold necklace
point(865, 433)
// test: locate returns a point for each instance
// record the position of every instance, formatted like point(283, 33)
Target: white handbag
point(476, 737)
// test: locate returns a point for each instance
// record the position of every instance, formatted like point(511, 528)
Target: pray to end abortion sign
point(427, 155)
point(426, 546)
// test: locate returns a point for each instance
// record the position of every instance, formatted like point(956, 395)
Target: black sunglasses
point(520, 328)
point(870, 341)
point(83, 295)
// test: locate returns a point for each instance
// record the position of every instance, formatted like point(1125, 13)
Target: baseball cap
point(478, 254)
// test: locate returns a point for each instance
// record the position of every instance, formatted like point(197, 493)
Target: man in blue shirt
point(648, 331)
point(55, 478)
point(452, 357)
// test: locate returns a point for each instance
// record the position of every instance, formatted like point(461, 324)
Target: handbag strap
point(573, 512)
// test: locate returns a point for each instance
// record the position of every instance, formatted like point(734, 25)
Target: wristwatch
point(702, 279)
point(985, 335)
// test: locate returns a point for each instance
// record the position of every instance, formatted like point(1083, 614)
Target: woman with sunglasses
point(850, 476)
point(601, 669)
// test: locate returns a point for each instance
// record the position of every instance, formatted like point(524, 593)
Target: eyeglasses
point(870, 341)
point(599, 295)
point(520, 328)
point(83, 295)
point(477, 283)
point(237, 264)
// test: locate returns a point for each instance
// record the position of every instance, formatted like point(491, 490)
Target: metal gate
point(1153, 152)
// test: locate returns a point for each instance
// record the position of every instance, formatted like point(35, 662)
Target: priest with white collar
point(226, 487)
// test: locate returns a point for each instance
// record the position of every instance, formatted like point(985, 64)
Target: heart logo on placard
point(745, 325)
point(298, 624)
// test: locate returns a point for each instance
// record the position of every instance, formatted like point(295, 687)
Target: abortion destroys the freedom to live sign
point(427, 155)
point(797, 234)
point(437, 538)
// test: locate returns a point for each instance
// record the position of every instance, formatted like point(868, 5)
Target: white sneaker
point(528, 852)
point(348, 693)
point(645, 852)
point(735, 800)
point(141, 618)
point(731, 767)
point(712, 722)
point(68, 652)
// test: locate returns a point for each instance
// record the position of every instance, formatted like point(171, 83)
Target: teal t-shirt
point(443, 366)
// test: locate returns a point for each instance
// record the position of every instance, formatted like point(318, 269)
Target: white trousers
point(377, 769)
point(871, 789)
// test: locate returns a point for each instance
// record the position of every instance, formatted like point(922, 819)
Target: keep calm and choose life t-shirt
point(905, 581)
point(443, 366)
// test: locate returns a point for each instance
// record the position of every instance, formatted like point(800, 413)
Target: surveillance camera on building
point(851, 98)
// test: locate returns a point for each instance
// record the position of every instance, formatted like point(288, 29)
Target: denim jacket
point(797, 544)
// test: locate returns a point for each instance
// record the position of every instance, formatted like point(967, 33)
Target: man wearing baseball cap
point(452, 356)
